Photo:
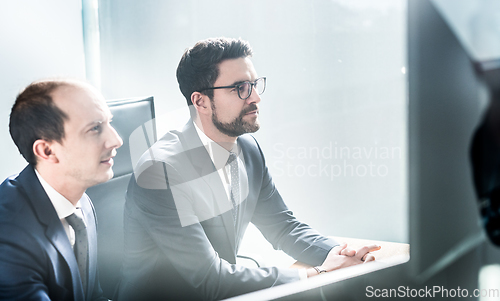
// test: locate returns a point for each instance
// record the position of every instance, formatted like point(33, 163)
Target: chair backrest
point(130, 117)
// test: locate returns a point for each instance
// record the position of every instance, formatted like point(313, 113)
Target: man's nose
point(254, 97)
point(114, 140)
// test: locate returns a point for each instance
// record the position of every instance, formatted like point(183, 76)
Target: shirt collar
point(217, 153)
point(63, 207)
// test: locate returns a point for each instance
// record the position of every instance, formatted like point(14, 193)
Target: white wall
point(336, 79)
point(38, 39)
point(336, 74)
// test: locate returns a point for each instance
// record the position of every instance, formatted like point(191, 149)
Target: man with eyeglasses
point(196, 190)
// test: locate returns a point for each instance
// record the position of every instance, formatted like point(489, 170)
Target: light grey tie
point(81, 244)
point(235, 184)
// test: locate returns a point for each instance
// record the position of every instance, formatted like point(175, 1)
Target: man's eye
point(243, 87)
point(97, 128)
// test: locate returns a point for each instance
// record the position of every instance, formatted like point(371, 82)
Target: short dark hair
point(35, 116)
point(199, 66)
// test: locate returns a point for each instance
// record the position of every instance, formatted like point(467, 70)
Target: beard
point(239, 126)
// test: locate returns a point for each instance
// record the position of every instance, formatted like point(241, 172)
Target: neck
point(69, 189)
point(213, 133)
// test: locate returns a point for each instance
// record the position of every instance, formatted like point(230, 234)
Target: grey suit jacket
point(36, 258)
point(180, 238)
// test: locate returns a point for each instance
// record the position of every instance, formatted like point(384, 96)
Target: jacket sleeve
point(22, 266)
point(278, 224)
point(187, 247)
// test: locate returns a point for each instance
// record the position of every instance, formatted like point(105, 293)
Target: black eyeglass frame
point(252, 84)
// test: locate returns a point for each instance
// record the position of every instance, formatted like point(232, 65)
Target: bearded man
point(196, 190)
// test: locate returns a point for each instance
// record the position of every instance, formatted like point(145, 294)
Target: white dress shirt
point(219, 157)
point(62, 206)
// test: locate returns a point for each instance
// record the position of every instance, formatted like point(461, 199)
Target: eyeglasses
point(245, 88)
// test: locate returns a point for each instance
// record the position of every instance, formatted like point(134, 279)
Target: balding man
point(48, 243)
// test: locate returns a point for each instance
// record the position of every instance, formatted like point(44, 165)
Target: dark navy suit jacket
point(180, 241)
point(36, 258)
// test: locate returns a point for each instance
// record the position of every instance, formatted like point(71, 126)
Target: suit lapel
point(55, 232)
point(222, 204)
point(201, 161)
point(57, 236)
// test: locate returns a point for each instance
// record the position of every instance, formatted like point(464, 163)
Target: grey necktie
point(235, 184)
point(81, 244)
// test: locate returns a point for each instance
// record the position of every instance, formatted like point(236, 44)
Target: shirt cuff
point(303, 274)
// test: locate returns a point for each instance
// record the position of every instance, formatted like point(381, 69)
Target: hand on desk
point(343, 256)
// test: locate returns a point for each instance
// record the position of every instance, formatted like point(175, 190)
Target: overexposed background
point(333, 116)
point(37, 39)
point(334, 112)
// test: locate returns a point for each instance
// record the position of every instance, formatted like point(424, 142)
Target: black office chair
point(133, 119)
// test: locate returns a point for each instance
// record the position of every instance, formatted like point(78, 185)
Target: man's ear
point(43, 150)
point(201, 103)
